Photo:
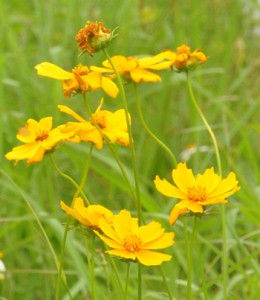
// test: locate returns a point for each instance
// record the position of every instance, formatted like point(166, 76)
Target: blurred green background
point(227, 88)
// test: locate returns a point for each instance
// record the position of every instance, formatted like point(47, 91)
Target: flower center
point(100, 119)
point(80, 70)
point(132, 243)
point(197, 194)
point(42, 136)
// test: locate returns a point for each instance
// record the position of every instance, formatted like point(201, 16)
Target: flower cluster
point(127, 236)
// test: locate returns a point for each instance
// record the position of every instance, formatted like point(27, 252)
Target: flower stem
point(132, 147)
point(223, 210)
point(139, 281)
point(190, 252)
point(111, 149)
point(73, 182)
point(151, 134)
point(166, 284)
point(127, 280)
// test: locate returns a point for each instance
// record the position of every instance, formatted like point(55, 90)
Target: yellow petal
point(226, 187)
point(183, 177)
point(176, 213)
point(167, 189)
point(52, 71)
point(164, 241)
point(150, 232)
point(142, 75)
point(109, 87)
point(191, 205)
point(209, 180)
point(122, 253)
point(69, 111)
point(110, 242)
point(124, 224)
point(151, 258)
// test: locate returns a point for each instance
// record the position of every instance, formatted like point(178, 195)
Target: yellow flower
point(90, 215)
point(134, 242)
point(196, 192)
point(184, 59)
point(112, 124)
point(135, 69)
point(38, 137)
point(94, 37)
point(79, 80)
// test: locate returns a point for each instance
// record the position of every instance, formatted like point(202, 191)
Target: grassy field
point(227, 90)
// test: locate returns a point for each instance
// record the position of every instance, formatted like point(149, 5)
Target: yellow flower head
point(130, 241)
point(79, 80)
point(38, 137)
point(90, 215)
point(111, 124)
point(184, 59)
point(135, 69)
point(94, 37)
point(196, 192)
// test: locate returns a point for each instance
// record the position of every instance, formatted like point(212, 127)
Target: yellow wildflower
point(79, 80)
point(135, 69)
point(94, 37)
point(184, 59)
point(130, 241)
point(38, 137)
point(196, 192)
point(112, 124)
point(90, 215)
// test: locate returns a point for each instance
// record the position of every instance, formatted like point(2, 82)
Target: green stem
point(211, 133)
point(223, 210)
point(151, 134)
point(112, 263)
point(111, 149)
point(190, 260)
point(166, 284)
point(72, 181)
point(127, 280)
point(139, 281)
point(133, 152)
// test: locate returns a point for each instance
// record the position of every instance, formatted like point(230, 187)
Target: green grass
point(227, 89)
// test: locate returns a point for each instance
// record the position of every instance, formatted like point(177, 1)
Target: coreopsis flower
point(131, 241)
point(38, 138)
point(79, 80)
point(94, 37)
point(195, 192)
point(111, 124)
point(135, 69)
point(184, 59)
point(90, 215)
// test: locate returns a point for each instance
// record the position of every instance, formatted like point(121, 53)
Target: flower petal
point(142, 75)
point(52, 71)
point(151, 258)
point(109, 87)
point(176, 213)
point(183, 177)
point(167, 189)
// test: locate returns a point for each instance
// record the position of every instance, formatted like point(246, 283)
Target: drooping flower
point(94, 37)
point(135, 69)
point(38, 137)
point(90, 215)
point(130, 241)
point(184, 59)
point(79, 80)
point(111, 124)
point(196, 192)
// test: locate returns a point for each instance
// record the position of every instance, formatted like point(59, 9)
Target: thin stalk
point(223, 209)
point(111, 149)
point(72, 181)
point(190, 262)
point(127, 280)
point(132, 147)
point(116, 274)
point(166, 284)
point(139, 281)
point(150, 133)
point(211, 133)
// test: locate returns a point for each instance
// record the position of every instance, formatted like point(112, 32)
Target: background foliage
point(227, 87)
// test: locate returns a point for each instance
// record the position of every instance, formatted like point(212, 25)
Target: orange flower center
point(100, 120)
point(132, 243)
point(80, 70)
point(197, 194)
point(42, 136)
